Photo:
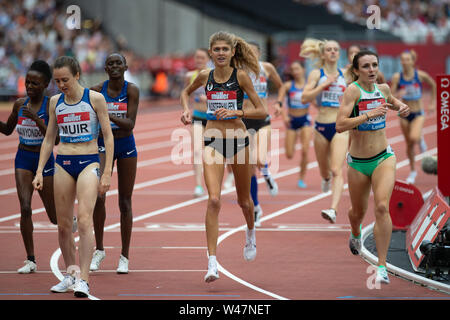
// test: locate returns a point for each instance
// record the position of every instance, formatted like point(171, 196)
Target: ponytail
point(244, 57)
point(313, 49)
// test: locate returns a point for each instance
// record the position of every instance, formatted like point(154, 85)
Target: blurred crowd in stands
point(36, 29)
point(414, 21)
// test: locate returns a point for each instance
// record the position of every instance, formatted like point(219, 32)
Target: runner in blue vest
point(407, 85)
point(29, 117)
point(326, 84)
point(296, 117)
point(122, 99)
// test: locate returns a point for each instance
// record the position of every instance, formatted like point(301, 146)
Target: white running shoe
point(74, 225)
point(423, 145)
point(330, 215)
point(123, 265)
point(198, 191)
point(81, 289)
point(271, 185)
point(412, 177)
point(250, 245)
point(97, 258)
point(29, 267)
point(213, 273)
point(258, 214)
point(228, 183)
point(382, 275)
point(65, 285)
point(326, 184)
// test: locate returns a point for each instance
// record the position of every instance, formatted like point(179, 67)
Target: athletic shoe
point(212, 273)
point(258, 214)
point(423, 145)
point(250, 245)
point(355, 243)
point(123, 265)
point(65, 285)
point(272, 185)
point(326, 184)
point(81, 289)
point(228, 183)
point(412, 177)
point(330, 215)
point(301, 184)
point(29, 267)
point(198, 191)
point(74, 225)
point(97, 258)
point(382, 275)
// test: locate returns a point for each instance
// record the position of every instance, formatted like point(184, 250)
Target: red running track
point(300, 255)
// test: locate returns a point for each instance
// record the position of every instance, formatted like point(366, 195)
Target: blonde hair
point(413, 55)
point(244, 57)
point(313, 49)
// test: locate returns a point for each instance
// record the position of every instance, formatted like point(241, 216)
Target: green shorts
point(368, 165)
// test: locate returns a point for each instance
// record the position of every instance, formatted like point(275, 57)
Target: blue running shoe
point(301, 184)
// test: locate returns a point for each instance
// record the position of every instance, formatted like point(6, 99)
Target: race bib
point(117, 109)
point(332, 94)
point(28, 131)
point(373, 123)
point(412, 91)
point(75, 127)
point(221, 99)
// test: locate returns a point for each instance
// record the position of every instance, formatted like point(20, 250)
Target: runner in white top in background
point(327, 84)
point(260, 130)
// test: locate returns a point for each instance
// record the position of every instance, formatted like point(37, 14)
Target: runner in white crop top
point(77, 112)
point(326, 85)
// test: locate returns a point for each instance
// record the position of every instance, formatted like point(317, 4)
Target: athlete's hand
point(277, 108)
point(186, 118)
point(29, 113)
point(403, 111)
point(287, 121)
point(105, 183)
point(223, 113)
point(38, 181)
point(330, 80)
point(379, 111)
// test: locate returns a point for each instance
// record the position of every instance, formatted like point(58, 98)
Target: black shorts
point(203, 122)
point(253, 125)
point(227, 147)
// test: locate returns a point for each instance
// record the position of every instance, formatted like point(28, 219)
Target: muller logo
point(72, 118)
point(219, 96)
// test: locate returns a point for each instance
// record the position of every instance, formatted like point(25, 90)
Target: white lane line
point(288, 209)
point(116, 191)
point(55, 256)
point(393, 140)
